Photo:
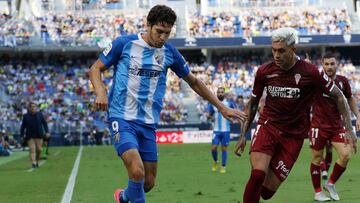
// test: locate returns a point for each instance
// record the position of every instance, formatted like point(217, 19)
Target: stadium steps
point(189, 103)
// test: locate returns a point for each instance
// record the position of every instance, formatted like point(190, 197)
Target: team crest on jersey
point(297, 78)
point(159, 59)
point(107, 50)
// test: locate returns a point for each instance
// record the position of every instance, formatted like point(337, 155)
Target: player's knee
point(316, 159)
point(344, 157)
point(214, 147)
point(149, 184)
point(137, 173)
point(266, 193)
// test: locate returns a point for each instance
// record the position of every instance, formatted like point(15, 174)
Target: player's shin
point(253, 186)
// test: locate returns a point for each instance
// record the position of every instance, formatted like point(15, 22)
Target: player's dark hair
point(31, 103)
point(329, 55)
point(161, 14)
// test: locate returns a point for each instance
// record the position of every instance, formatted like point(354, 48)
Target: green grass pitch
point(184, 176)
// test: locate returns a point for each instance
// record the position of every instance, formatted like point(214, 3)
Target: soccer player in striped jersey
point(135, 98)
point(221, 128)
point(327, 125)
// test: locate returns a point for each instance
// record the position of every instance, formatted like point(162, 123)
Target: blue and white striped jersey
point(221, 124)
point(139, 80)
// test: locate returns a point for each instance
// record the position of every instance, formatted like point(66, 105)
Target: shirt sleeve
point(347, 89)
point(179, 66)
point(113, 52)
point(259, 83)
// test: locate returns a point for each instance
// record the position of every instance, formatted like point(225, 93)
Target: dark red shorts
point(283, 148)
point(319, 138)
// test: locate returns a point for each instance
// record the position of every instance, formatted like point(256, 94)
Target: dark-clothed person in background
point(34, 128)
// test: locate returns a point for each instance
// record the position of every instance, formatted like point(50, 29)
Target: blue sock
point(125, 196)
point(214, 155)
point(136, 191)
point(224, 157)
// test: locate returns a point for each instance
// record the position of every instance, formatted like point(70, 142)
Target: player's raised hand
point(101, 101)
point(240, 145)
point(233, 115)
point(351, 139)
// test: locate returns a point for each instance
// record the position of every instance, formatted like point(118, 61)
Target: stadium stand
point(260, 22)
point(60, 84)
point(87, 30)
point(14, 31)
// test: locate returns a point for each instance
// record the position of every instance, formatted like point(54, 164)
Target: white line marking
point(57, 153)
point(40, 164)
point(71, 182)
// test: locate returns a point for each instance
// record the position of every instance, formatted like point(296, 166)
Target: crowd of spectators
point(61, 92)
point(235, 76)
point(254, 3)
point(87, 30)
point(65, 96)
point(14, 31)
point(260, 22)
point(174, 111)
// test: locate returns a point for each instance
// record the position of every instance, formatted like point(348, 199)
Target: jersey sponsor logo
point(107, 50)
point(284, 92)
point(284, 171)
point(134, 57)
point(135, 70)
point(297, 78)
point(272, 75)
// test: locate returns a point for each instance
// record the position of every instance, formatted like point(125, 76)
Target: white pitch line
point(57, 153)
point(71, 182)
point(40, 164)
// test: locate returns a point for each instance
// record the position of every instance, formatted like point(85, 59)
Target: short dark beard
point(221, 98)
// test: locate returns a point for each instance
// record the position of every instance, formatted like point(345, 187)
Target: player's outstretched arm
point(250, 110)
point(343, 107)
point(354, 108)
point(200, 88)
point(101, 102)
